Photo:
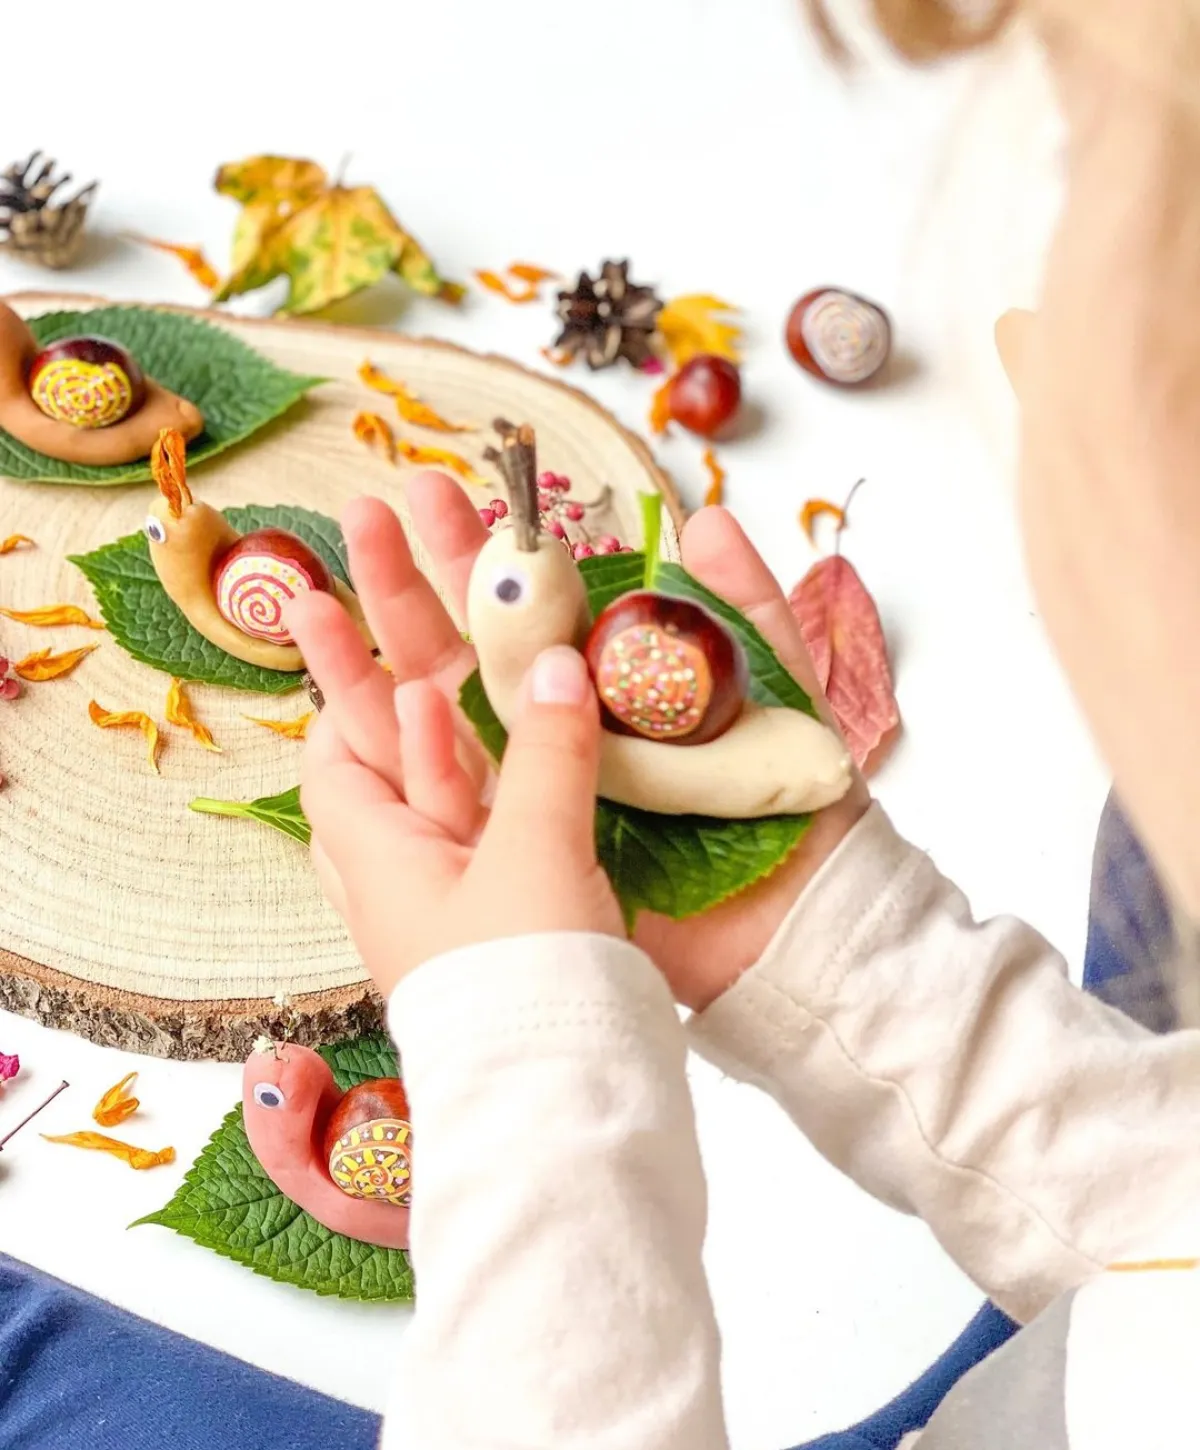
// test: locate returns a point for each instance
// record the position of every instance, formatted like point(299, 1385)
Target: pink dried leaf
point(9, 1066)
point(841, 627)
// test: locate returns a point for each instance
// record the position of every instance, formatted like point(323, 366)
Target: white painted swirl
point(848, 338)
point(252, 590)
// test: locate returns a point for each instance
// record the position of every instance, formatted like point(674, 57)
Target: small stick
point(517, 460)
point(12, 1133)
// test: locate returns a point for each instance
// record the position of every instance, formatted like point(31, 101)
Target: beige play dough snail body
point(526, 594)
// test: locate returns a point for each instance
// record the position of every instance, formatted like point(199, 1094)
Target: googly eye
point(267, 1095)
point(511, 587)
point(156, 530)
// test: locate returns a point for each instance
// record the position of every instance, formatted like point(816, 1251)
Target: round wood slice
point(123, 915)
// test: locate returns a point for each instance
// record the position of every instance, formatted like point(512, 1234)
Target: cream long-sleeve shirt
point(950, 1068)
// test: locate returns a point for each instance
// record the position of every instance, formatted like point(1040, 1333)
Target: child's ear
point(1012, 336)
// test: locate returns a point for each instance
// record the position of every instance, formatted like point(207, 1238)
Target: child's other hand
point(426, 869)
point(357, 741)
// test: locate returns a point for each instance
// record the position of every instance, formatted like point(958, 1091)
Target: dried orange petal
point(42, 665)
point(139, 1158)
point(441, 458)
point(528, 272)
point(716, 474)
point(408, 405)
point(369, 428)
point(53, 614)
point(14, 541)
point(816, 508)
point(660, 407)
point(109, 720)
point(192, 258)
point(495, 283)
point(179, 712)
point(117, 1104)
point(291, 729)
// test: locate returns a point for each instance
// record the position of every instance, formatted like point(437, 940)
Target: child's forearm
point(559, 1207)
point(953, 1071)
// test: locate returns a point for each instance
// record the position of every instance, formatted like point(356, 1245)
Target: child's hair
point(924, 29)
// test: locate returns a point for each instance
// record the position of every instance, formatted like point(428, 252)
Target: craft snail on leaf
point(345, 1158)
point(839, 336)
point(84, 399)
point(742, 760)
point(232, 588)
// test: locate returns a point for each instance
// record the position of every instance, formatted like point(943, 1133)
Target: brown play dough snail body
point(526, 594)
point(123, 442)
point(232, 588)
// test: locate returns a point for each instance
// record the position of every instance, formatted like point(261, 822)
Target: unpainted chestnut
point(705, 394)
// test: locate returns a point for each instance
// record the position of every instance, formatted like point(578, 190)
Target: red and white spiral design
point(848, 338)
point(252, 590)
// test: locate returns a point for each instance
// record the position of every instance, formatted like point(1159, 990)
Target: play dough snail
point(682, 738)
point(232, 588)
point(83, 400)
point(345, 1158)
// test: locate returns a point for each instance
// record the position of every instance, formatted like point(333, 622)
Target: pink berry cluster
point(10, 686)
point(556, 511)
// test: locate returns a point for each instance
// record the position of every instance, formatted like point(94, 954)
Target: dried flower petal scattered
point(179, 712)
point(370, 428)
point(50, 615)
point(117, 1104)
point(44, 665)
point(139, 1158)
point(110, 720)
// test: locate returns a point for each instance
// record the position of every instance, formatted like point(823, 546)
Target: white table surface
point(705, 140)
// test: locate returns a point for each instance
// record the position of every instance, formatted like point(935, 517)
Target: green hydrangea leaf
point(361, 1059)
point(237, 389)
point(228, 1204)
point(282, 811)
point(677, 866)
point(152, 629)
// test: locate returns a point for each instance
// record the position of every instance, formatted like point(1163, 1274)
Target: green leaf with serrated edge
point(281, 811)
point(236, 389)
point(361, 1059)
point(144, 622)
point(228, 1204)
point(677, 866)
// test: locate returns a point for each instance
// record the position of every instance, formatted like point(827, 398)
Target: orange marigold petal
point(495, 283)
point(370, 428)
point(43, 665)
point(179, 712)
point(817, 508)
point(717, 475)
point(442, 458)
point(53, 614)
point(192, 258)
point(111, 719)
point(290, 729)
point(117, 1104)
point(14, 541)
point(140, 1158)
point(660, 407)
point(528, 272)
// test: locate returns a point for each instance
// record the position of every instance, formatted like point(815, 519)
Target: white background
point(707, 141)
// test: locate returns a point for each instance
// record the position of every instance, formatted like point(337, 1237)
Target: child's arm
point(559, 1206)
point(953, 1071)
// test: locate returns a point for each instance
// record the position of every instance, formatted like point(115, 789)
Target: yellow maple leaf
point(690, 326)
point(329, 241)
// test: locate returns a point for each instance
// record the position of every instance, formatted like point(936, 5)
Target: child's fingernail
point(559, 677)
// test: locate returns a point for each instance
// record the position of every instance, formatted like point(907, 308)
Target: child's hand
point(425, 869)
point(421, 644)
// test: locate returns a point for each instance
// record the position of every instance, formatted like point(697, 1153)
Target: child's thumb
point(1012, 343)
point(545, 801)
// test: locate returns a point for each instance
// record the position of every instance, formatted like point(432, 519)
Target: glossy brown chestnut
point(705, 394)
point(368, 1142)
point(254, 579)
point(88, 382)
point(666, 669)
point(839, 337)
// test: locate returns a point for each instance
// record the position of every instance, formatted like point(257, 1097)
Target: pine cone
point(32, 224)
point(607, 318)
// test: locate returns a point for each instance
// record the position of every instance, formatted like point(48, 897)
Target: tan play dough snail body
point(232, 588)
point(122, 442)
point(526, 594)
